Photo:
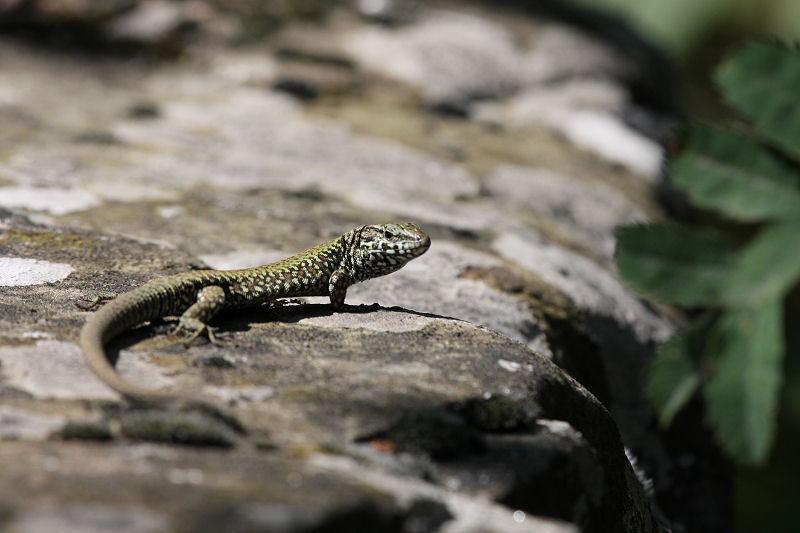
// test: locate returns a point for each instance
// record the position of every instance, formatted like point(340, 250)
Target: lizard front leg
point(337, 288)
point(194, 321)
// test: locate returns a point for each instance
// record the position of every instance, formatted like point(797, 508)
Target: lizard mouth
point(415, 246)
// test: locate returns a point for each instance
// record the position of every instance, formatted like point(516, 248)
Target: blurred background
point(696, 36)
point(684, 28)
point(674, 44)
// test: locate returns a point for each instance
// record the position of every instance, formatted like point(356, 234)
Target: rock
point(587, 212)
point(53, 369)
point(299, 88)
point(338, 383)
point(88, 518)
point(452, 58)
point(560, 52)
point(144, 110)
point(149, 22)
point(386, 11)
point(622, 326)
point(434, 285)
point(120, 26)
point(309, 81)
point(18, 424)
point(97, 137)
point(610, 138)
point(74, 11)
point(470, 67)
point(16, 271)
point(588, 113)
point(56, 201)
point(432, 403)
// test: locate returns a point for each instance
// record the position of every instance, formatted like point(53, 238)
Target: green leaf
point(743, 393)
point(768, 267)
point(761, 81)
point(676, 264)
point(674, 374)
point(732, 173)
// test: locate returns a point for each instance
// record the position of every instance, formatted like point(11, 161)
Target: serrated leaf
point(676, 264)
point(761, 80)
point(768, 267)
point(731, 172)
point(674, 373)
point(743, 393)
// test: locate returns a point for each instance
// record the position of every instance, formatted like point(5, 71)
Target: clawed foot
point(191, 328)
point(88, 303)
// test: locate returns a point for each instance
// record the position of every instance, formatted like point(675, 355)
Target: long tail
point(109, 321)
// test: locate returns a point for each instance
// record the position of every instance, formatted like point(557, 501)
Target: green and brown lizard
point(197, 296)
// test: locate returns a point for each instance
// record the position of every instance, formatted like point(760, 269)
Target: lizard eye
point(387, 234)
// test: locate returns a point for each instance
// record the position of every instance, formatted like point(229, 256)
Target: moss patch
point(176, 427)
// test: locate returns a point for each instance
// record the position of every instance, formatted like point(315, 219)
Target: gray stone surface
point(433, 284)
point(450, 56)
point(552, 76)
point(88, 519)
point(50, 199)
point(16, 271)
point(147, 22)
point(438, 409)
point(589, 285)
point(587, 113)
point(587, 212)
point(18, 424)
point(559, 51)
point(51, 369)
point(623, 327)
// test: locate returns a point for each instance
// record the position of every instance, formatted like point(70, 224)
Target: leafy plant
point(749, 175)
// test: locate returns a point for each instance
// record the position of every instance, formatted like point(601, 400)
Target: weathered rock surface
point(435, 402)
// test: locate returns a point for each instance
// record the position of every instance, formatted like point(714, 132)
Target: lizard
point(327, 269)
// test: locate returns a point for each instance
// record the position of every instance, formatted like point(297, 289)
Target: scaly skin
point(325, 270)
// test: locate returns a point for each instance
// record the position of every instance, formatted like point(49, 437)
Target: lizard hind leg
point(194, 321)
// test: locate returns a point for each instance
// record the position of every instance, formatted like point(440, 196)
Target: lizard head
point(383, 248)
